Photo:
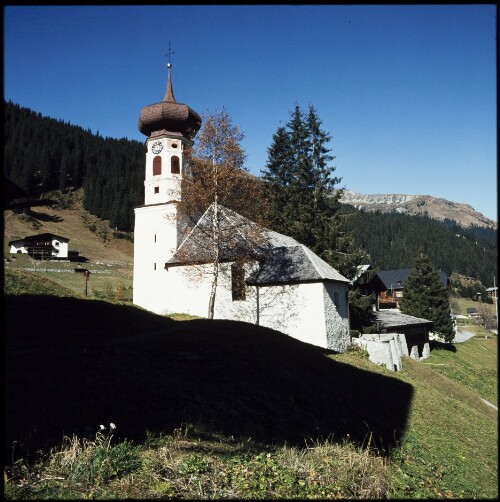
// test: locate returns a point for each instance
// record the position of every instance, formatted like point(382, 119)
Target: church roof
point(284, 260)
point(168, 116)
point(239, 237)
point(294, 264)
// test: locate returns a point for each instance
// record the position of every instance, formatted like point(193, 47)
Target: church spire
point(168, 115)
point(169, 94)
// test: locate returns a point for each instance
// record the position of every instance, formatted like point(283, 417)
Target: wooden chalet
point(492, 292)
point(46, 246)
point(389, 286)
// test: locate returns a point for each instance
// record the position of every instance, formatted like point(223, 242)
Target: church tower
point(170, 127)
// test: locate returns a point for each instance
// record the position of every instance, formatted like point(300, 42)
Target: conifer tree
point(425, 297)
point(303, 198)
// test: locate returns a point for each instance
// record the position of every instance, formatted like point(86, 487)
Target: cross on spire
point(169, 53)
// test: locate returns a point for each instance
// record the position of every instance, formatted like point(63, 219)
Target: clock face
point(157, 147)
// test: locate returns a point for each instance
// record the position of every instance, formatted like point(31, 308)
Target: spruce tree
point(425, 297)
point(303, 198)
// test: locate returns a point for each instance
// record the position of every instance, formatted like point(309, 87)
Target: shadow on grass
point(74, 364)
point(54, 218)
point(435, 345)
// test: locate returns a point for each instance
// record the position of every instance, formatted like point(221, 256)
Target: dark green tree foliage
point(42, 154)
point(303, 201)
point(393, 240)
point(425, 297)
point(473, 292)
point(360, 309)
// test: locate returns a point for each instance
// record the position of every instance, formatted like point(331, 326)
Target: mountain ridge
point(424, 205)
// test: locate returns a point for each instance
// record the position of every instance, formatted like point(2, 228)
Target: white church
point(276, 282)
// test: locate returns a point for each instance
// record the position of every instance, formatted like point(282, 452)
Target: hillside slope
point(424, 205)
point(70, 220)
point(148, 374)
point(449, 252)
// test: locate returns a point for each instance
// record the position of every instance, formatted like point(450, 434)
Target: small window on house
point(157, 166)
point(238, 282)
point(155, 266)
point(174, 145)
point(157, 189)
point(175, 165)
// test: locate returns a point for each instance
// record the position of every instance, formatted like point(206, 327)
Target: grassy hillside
point(220, 409)
point(109, 259)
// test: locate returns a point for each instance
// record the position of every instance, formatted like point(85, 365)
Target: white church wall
point(336, 316)
point(166, 186)
point(296, 310)
point(155, 240)
point(189, 289)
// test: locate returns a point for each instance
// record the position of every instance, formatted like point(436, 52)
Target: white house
point(45, 246)
point(265, 277)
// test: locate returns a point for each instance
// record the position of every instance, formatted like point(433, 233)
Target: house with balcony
point(46, 246)
point(389, 286)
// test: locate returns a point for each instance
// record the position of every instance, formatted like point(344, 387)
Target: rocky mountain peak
point(425, 205)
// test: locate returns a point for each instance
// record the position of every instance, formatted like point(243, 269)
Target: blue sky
point(407, 92)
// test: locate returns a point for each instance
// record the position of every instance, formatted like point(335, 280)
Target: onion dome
point(168, 116)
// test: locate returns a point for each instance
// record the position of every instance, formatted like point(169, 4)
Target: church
point(272, 281)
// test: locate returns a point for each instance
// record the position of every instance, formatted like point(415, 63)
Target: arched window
point(157, 166)
point(175, 165)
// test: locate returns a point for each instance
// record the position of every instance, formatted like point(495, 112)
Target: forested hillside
point(393, 241)
point(43, 154)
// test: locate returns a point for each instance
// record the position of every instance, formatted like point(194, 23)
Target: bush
point(123, 235)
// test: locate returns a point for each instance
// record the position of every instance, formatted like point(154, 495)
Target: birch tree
point(215, 177)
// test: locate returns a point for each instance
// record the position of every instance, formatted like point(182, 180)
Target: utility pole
point(86, 274)
point(495, 296)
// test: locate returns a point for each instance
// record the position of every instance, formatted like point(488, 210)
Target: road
point(462, 336)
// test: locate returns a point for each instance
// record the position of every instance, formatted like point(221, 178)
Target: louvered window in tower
point(175, 165)
point(157, 166)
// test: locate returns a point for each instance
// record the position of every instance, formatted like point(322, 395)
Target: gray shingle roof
point(240, 237)
point(283, 259)
point(293, 264)
point(395, 319)
point(395, 279)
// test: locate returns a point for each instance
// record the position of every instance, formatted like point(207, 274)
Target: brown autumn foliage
point(215, 176)
point(214, 172)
